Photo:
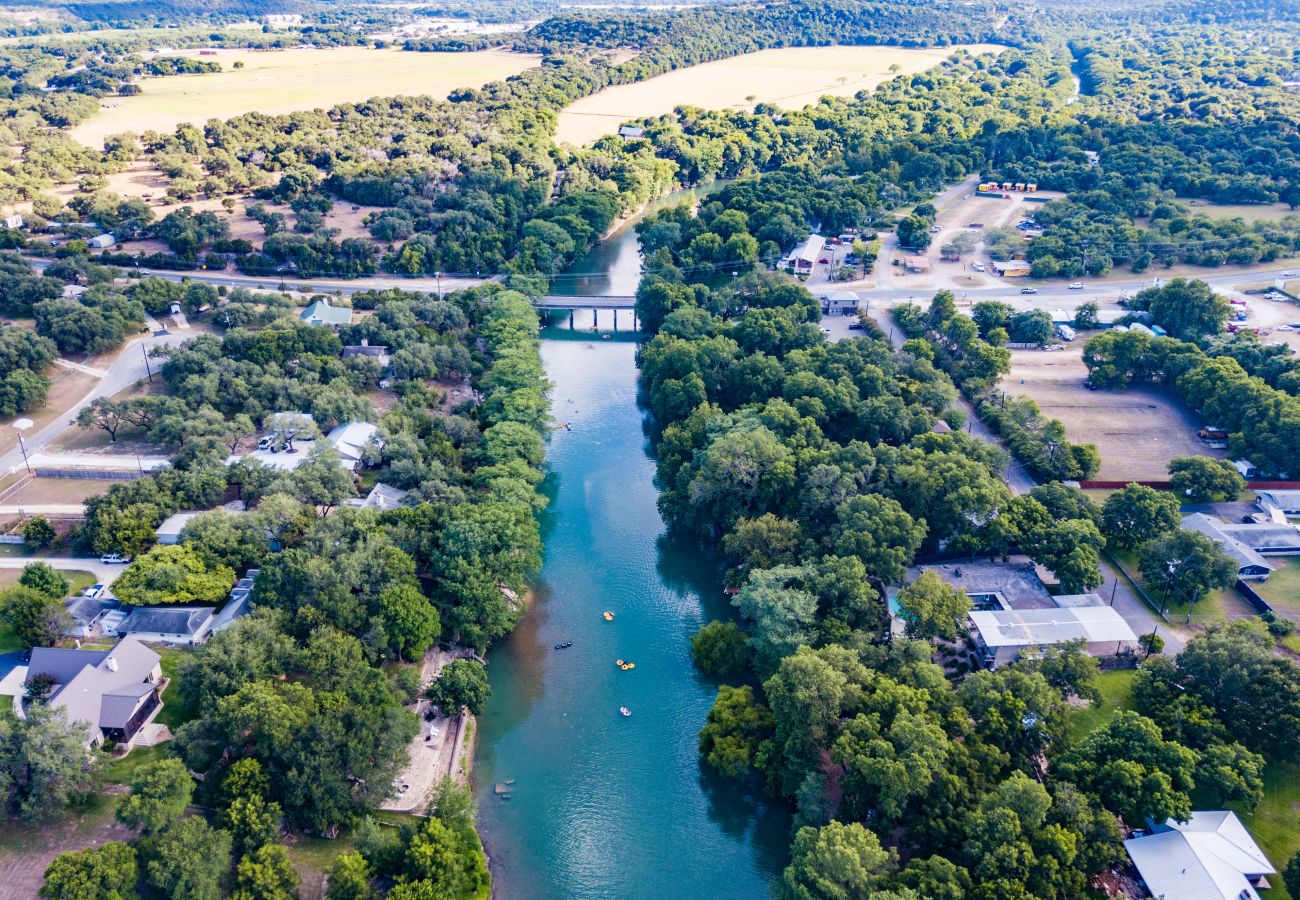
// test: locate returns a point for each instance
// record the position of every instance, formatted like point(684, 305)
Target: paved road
point(127, 369)
point(1114, 588)
point(105, 575)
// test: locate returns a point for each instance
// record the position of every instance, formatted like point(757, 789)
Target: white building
point(102, 242)
point(352, 439)
point(1004, 634)
point(1211, 856)
point(804, 257)
point(840, 303)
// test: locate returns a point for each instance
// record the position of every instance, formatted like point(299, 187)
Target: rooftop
point(1034, 627)
point(322, 313)
point(1215, 530)
point(1211, 856)
point(351, 439)
point(180, 620)
point(95, 686)
point(1017, 582)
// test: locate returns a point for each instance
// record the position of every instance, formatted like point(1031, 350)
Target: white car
point(935, 229)
point(94, 592)
point(114, 559)
point(1076, 285)
point(978, 267)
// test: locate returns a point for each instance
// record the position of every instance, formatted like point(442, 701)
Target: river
point(602, 805)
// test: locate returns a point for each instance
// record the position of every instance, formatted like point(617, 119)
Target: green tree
point(160, 792)
point(350, 879)
point(186, 860)
point(1203, 479)
point(933, 609)
point(764, 542)
point(835, 862)
point(1132, 770)
point(38, 533)
point(1071, 669)
point(106, 872)
point(1137, 514)
point(1229, 773)
point(1182, 566)
point(878, 531)
point(736, 728)
point(252, 822)
point(37, 619)
point(461, 683)
point(783, 613)
point(43, 577)
point(266, 874)
point(1070, 549)
point(220, 539)
point(1291, 875)
point(410, 620)
point(720, 649)
point(43, 764)
point(1188, 309)
point(173, 574)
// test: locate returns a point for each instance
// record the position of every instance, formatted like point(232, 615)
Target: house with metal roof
point(839, 303)
point(1211, 856)
point(1250, 564)
point(1003, 635)
point(165, 624)
point(1287, 502)
point(351, 441)
point(804, 257)
point(111, 692)
point(322, 313)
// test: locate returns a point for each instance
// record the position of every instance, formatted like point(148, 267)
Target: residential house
point(87, 614)
point(1211, 856)
point(365, 350)
point(631, 132)
point(321, 313)
point(111, 692)
point(1251, 566)
point(1003, 635)
point(382, 497)
point(351, 441)
point(1288, 502)
point(188, 625)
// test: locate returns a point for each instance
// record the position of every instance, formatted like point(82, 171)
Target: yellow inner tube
point(619, 662)
point(609, 617)
point(626, 666)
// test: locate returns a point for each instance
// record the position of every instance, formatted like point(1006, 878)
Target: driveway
point(105, 575)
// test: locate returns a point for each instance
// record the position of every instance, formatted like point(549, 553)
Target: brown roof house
point(111, 692)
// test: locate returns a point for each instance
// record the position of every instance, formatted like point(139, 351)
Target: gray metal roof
point(85, 610)
point(183, 620)
point(61, 664)
point(116, 709)
point(101, 673)
point(1214, 529)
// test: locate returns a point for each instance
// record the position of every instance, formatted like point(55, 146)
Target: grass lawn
point(173, 714)
point(1282, 590)
point(119, 771)
point(1274, 823)
point(9, 642)
point(1116, 694)
point(1216, 606)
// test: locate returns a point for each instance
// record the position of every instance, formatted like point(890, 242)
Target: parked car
point(824, 261)
point(1029, 290)
point(94, 592)
point(935, 229)
point(114, 559)
point(1090, 386)
point(855, 326)
point(1054, 347)
point(975, 225)
point(978, 267)
point(1076, 285)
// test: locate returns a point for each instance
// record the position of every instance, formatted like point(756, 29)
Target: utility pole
point(145, 352)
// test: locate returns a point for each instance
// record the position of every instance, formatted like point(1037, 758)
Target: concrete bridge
point(559, 301)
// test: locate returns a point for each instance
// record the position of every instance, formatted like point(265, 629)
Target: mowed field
point(1137, 431)
point(281, 81)
point(790, 77)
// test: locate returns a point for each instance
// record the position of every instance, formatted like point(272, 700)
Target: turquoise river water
point(602, 805)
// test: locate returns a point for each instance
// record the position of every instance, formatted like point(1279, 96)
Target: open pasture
point(1137, 431)
point(282, 81)
point(790, 77)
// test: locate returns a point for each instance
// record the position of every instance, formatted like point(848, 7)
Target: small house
point(365, 350)
point(351, 441)
point(13, 221)
point(1012, 268)
point(322, 313)
point(111, 692)
point(631, 132)
point(102, 242)
point(1211, 856)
